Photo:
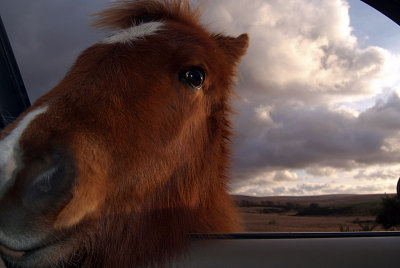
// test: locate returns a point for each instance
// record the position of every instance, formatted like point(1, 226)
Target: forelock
point(124, 14)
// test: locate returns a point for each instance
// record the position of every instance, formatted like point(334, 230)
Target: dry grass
point(255, 221)
point(287, 222)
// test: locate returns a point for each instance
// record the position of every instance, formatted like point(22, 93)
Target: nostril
point(45, 181)
point(50, 189)
point(44, 186)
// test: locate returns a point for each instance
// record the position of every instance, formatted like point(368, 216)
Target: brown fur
point(151, 155)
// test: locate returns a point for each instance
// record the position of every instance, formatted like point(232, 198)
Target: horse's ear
point(234, 47)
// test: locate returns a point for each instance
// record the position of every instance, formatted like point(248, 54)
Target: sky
point(318, 103)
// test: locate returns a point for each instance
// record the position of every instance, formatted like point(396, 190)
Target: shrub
point(315, 210)
point(367, 226)
point(344, 228)
point(389, 214)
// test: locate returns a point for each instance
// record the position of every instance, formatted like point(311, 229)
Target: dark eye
point(194, 77)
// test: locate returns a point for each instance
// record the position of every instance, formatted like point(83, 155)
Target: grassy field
point(327, 213)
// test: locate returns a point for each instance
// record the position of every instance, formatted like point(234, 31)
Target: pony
point(128, 154)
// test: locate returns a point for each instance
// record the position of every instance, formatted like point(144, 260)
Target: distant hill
point(322, 200)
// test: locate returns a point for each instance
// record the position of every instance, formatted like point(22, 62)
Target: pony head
point(128, 154)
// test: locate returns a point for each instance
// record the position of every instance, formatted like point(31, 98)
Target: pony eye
point(193, 77)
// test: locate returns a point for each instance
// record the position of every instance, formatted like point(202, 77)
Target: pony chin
point(63, 252)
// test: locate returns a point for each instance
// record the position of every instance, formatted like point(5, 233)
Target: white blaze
point(134, 33)
point(10, 144)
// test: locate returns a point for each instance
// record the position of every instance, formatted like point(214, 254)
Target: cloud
point(281, 176)
point(379, 173)
point(307, 58)
point(384, 115)
point(311, 98)
point(316, 136)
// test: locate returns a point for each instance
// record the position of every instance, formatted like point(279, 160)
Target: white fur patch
point(10, 145)
point(133, 33)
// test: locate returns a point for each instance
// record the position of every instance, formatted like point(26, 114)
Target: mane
point(123, 14)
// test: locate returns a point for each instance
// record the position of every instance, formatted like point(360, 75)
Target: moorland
point(325, 213)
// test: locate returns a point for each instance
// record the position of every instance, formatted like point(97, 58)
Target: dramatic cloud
point(313, 103)
point(317, 112)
